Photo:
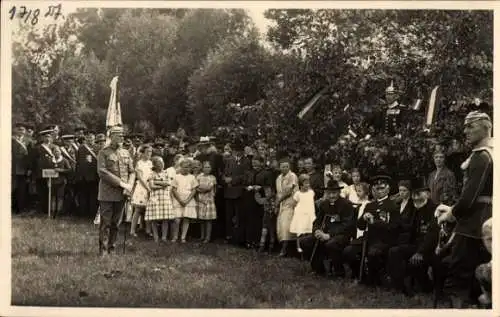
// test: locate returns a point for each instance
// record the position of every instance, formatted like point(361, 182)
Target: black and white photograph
point(248, 155)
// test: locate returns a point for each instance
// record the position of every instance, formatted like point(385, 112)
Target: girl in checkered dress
point(159, 206)
point(183, 191)
point(206, 201)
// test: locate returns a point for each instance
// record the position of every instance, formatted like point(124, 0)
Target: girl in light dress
point(206, 201)
point(184, 188)
point(159, 208)
point(286, 185)
point(140, 196)
point(304, 212)
point(352, 194)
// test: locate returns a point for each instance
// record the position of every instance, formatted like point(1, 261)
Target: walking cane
point(322, 228)
point(363, 256)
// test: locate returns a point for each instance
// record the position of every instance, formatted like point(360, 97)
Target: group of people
point(387, 231)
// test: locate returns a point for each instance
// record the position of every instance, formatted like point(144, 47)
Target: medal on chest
point(89, 158)
point(384, 216)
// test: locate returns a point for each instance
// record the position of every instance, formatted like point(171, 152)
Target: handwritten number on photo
point(25, 13)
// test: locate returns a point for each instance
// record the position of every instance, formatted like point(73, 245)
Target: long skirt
point(283, 224)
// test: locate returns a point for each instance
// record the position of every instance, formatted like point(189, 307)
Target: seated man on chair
point(380, 220)
point(331, 231)
point(417, 241)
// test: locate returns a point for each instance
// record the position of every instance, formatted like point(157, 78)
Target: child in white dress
point(184, 188)
point(143, 170)
point(304, 213)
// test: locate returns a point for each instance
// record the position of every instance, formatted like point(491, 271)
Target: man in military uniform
point(471, 210)
point(43, 159)
point(21, 169)
point(86, 178)
point(117, 177)
point(381, 220)
point(69, 153)
point(392, 118)
point(417, 240)
point(332, 231)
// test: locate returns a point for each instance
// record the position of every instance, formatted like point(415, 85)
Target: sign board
point(49, 173)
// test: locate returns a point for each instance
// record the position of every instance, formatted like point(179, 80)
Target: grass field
point(55, 263)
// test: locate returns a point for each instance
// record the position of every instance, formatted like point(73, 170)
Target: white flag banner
point(113, 116)
point(431, 110)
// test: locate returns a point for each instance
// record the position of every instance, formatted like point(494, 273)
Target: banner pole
point(49, 181)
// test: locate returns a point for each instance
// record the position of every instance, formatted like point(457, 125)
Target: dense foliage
point(209, 71)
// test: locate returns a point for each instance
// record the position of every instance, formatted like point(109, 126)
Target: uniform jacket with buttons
point(385, 228)
point(114, 166)
point(478, 181)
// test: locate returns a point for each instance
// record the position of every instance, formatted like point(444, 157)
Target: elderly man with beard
point(417, 241)
point(471, 210)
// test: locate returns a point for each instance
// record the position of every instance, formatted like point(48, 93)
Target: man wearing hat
point(332, 230)
point(21, 168)
point(86, 177)
point(42, 159)
point(69, 153)
point(417, 240)
point(380, 219)
point(472, 209)
point(100, 141)
point(233, 179)
point(117, 177)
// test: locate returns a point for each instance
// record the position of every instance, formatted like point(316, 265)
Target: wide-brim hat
point(333, 185)
point(419, 185)
point(205, 140)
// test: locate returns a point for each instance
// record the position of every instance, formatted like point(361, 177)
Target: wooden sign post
point(49, 174)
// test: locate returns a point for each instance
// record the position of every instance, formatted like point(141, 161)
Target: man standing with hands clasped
point(471, 210)
point(117, 176)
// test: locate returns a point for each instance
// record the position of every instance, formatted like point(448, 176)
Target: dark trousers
point(20, 192)
point(465, 256)
point(398, 267)
point(232, 211)
point(42, 190)
point(218, 230)
point(111, 213)
point(327, 250)
point(376, 254)
point(87, 198)
point(69, 203)
point(250, 221)
point(352, 256)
